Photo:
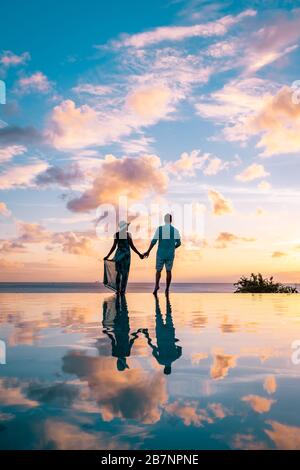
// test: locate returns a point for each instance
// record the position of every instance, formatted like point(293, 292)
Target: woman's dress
point(122, 257)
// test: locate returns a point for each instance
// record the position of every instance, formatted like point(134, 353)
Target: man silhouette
point(168, 239)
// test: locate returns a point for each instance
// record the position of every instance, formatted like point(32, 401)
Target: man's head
point(168, 218)
point(167, 370)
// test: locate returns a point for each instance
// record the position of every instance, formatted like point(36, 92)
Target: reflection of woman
point(123, 242)
point(118, 330)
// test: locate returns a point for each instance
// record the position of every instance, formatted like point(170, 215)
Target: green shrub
point(256, 283)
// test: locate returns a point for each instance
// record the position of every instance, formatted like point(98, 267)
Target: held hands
point(144, 255)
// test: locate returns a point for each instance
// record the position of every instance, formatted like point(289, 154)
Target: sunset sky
point(159, 101)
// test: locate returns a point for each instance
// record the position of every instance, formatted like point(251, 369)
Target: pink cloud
point(22, 175)
point(279, 123)
point(9, 59)
point(220, 205)
point(187, 164)
point(74, 243)
point(72, 127)
point(131, 177)
point(11, 246)
point(4, 211)
point(7, 153)
point(151, 103)
point(252, 172)
point(32, 233)
point(35, 82)
point(225, 238)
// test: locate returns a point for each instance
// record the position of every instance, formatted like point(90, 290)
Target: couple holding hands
point(168, 239)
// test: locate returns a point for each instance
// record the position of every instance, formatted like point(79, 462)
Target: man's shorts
point(161, 262)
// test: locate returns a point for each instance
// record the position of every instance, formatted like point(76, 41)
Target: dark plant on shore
point(256, 283)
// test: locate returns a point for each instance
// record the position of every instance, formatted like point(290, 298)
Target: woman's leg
point(125, 275)
point(118, 282)
point(124, 283)
point(118, 277)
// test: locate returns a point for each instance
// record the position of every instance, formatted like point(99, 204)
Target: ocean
point(97, 287)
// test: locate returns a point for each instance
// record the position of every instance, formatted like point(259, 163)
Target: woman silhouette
point(123, 242)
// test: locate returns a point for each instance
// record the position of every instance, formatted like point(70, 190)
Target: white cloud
point(158, 81)
point(187, 164)
point(272, 41)
point(22, 175)
point(7, 153)
point(264, 186)
point(233, 104)
point(222, 49)
point(92, 89)
point(252, 172)
point(137, 146)
point(72, 127)
point(214, 166)
point(151, 103)
point(180, 33)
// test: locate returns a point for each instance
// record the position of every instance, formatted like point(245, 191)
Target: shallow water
point(83, 371)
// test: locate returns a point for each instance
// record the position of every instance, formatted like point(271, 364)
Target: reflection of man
point(166, 350)
point(168, 240)
point(117, 328)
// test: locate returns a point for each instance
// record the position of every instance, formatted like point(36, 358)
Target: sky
point(164, 103)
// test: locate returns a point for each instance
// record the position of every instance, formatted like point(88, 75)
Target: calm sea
point(56, 287)
point(89, 287)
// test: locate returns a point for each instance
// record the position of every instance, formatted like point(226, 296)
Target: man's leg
point(169, 266)
point(157, 279)
point(159, 268)
point(169, 279)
